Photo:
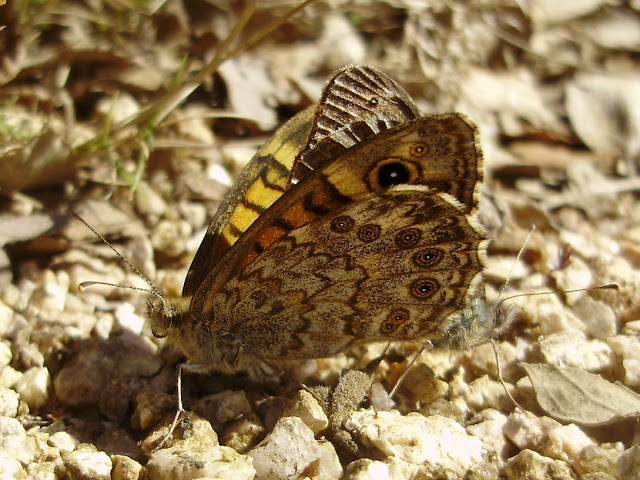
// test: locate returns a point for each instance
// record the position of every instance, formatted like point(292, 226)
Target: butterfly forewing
point(357, 103)
point(261, 183)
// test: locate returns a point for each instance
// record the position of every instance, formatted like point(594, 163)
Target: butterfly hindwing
point(389, 266)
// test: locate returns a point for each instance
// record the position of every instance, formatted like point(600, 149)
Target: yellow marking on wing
point(348, 183)
point(262, 195)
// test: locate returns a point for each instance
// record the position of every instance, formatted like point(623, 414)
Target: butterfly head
point(475, 324)
point(166, 315)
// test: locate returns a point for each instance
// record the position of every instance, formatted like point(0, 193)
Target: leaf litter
point(106, 102)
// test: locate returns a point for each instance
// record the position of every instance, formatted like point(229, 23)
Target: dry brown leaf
point(551, 11)
point(573, 395)
point(603, 112)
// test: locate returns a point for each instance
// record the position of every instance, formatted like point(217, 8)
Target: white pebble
point(87, 462)
point(5, 353)
point(305, 407)
point(9, 401)
point(222, 463)
point(64, 442)
point(439, 444)
point(15, 442)
point(33, 387)
point(289, 450)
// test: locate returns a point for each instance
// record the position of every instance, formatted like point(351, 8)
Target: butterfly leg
point(393, 391)
point(180, 410)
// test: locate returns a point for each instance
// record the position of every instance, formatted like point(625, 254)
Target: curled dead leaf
point(573, 395)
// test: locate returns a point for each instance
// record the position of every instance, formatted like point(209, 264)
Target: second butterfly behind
point(366, 231)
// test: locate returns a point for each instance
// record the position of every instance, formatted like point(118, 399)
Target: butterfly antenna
point(498, 302)
point(609, 286)
point(84, 285)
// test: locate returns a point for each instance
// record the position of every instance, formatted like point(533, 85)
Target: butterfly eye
point(424, 288)
point(419, 149)
point(394, 320)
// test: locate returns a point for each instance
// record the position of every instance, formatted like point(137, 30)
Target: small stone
point(118, 441)
point(391, 469)
point(15, 442)
point(33, 387)
point(151, 408)
point(170, 237)
point(305, 407)
point(440, 445)
point(598, 459)
point(244, 434)
point(631, 328)
point(629, 349)
point(455, 409)
point(64, 442)
point(327, 466)
point(482, 358)
point(194, 213)
point(51, 299)
point(485, 392)
point(148, 201)
point(9, 401)
point(221, 463)
point(223, 407)
point(528, 465)
point(420, 386)
point(126, 317)
point(192, 433)
point(5, 353)
point(629, 463)
point(43, 471)
point(489, 431)
point(10, 467)
point(599, 318)
point(528, 431)
point(82, 381)
point(571, 348)
point(549, 314)
point(125, 468)
point(87, 462)
point(287, 451)
point(566, 443)
point(103, 326)
point(9, 376)
point(6, 318)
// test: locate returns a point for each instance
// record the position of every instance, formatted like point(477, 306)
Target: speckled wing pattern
point(261, 183)
point(357, 102)
point(380, 242)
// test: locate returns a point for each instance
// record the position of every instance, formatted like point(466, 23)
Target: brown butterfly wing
point(438, 152)
point(389, 266)
point(357, 103)
point(263, 181)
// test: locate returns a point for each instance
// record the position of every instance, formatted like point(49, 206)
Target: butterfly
point(365, 231)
